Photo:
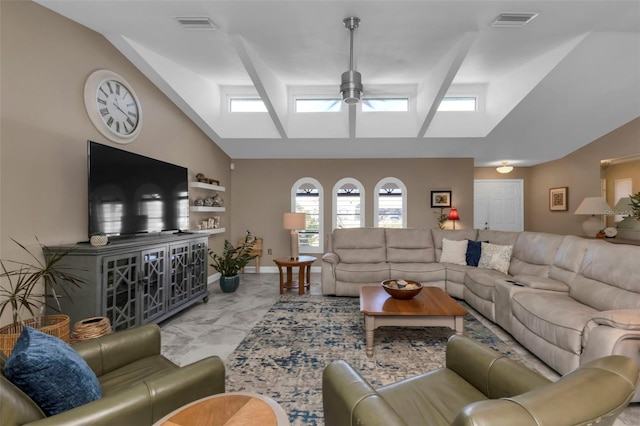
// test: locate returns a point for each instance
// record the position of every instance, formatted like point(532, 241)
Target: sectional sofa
point(574, 299)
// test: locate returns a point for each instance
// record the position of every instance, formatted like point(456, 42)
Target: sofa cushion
point(533, 253)
point(360, 245)
point(409, 245)
point(555, 317)
point(454, 251)
point(51, 373)
point(542, 283)
point(608, 277)
point(422, 272)
point(495, 256)
point(474, 250)
point(481, 282)
point(450, 234)
point(568, 259)
point(363, 273)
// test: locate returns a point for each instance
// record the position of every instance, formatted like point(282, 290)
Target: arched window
point(390, 204)
point(307, 197)
point(348, 204)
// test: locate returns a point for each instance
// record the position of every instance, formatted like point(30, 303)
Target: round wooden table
point(304, 272)
point(228, 409)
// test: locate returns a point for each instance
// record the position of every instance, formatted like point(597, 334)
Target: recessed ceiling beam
point(269, 86)
point(435, 86)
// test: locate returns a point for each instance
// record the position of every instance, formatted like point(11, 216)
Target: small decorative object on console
point(610, 232)
point(98, 239)
point(402, 289)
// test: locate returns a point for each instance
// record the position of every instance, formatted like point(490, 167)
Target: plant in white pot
point(232, 260)
point(26, 287)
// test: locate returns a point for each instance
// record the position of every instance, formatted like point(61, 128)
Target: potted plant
point(20, 292)
point(232, 260)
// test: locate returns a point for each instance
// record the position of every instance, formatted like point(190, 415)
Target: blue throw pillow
point(474, 250)
point(54, 376)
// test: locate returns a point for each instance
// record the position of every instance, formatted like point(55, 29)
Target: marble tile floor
point(218, 327)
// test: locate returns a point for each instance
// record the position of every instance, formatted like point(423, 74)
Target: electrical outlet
point(269, 251)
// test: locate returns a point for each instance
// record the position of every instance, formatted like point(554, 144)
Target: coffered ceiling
point(569, 76)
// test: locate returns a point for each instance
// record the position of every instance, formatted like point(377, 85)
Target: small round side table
point(304, 272)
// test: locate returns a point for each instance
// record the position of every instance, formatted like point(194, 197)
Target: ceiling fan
point(351, 87)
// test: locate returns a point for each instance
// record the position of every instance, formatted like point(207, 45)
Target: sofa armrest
point(494, 412)
point(146, 403)
point(331, 258)
point(626, 319)
point(110, 352)
point(348, 399)
point(542, 283)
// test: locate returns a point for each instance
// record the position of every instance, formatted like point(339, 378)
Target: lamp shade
point(504, 168)
point(453, 214)
point(294, 221)
point(623, 207)
point(593, 206)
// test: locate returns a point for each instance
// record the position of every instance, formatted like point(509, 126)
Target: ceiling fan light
point(504, 168)
point(351, 87)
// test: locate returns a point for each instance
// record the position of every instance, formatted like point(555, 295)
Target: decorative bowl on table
point(402, 289)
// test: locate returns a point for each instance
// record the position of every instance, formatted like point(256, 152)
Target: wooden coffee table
point(432, 307)
point(228, 409)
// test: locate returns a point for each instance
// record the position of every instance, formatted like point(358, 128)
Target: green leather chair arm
point(349, 400)
point(110, 352)
point(147, 402)
point(595, 393)
point(493, 374)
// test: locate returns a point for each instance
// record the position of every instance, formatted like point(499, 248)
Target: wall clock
point(112, 106)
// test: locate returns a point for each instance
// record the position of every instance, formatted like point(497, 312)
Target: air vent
point(196, 23)
point(513, 19)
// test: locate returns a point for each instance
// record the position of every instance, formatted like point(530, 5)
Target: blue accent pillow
point(51, 373)
point(474, 251)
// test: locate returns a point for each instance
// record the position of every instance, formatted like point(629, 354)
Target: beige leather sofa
point(578, 299)
point(481, 387)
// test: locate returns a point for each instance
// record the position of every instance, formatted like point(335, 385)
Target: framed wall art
point(440, 199)
point(558, 201)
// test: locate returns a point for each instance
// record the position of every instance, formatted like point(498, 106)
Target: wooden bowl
point(401, 293)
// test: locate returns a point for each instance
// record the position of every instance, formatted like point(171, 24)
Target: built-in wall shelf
point(209, 231)
point(208, 186)
point(206, 209)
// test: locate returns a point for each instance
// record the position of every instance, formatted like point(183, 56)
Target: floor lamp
point(293, 222)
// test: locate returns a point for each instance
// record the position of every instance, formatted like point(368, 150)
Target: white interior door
point(498, 204)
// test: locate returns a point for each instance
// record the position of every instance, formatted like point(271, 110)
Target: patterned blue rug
point(284, 355)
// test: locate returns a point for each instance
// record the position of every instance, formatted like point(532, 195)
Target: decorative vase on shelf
point(229, 284)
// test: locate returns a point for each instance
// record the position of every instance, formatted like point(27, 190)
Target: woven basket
point(90, 328)
point(54, 325)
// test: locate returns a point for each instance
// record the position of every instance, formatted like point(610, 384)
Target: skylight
point(458, 103)
point(318, 105)
point(385, 105)
point(246, 105)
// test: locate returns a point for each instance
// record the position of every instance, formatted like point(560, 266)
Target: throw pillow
point(454, 252)
point(496, 257)
point(474, 249)
point(51, 373)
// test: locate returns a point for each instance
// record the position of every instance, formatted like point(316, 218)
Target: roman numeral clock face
point(112, 106)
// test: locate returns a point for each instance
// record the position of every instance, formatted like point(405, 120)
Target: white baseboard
point(263, 270)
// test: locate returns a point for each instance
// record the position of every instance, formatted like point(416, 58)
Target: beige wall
point(261, 191)
point(580, 172)
point(45, 61)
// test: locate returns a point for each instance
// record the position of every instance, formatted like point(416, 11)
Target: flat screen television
point(130, 194)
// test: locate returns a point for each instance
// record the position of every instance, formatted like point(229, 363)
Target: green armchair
point(139, 385)
point(481, 387)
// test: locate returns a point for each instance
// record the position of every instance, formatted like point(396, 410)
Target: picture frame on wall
point(558, 201)
point(440, 199)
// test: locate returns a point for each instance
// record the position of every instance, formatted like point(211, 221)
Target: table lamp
point(453, 216)
point(293, 222)
point(593, 206)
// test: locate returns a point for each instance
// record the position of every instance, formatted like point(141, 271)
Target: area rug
point(284, 355)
